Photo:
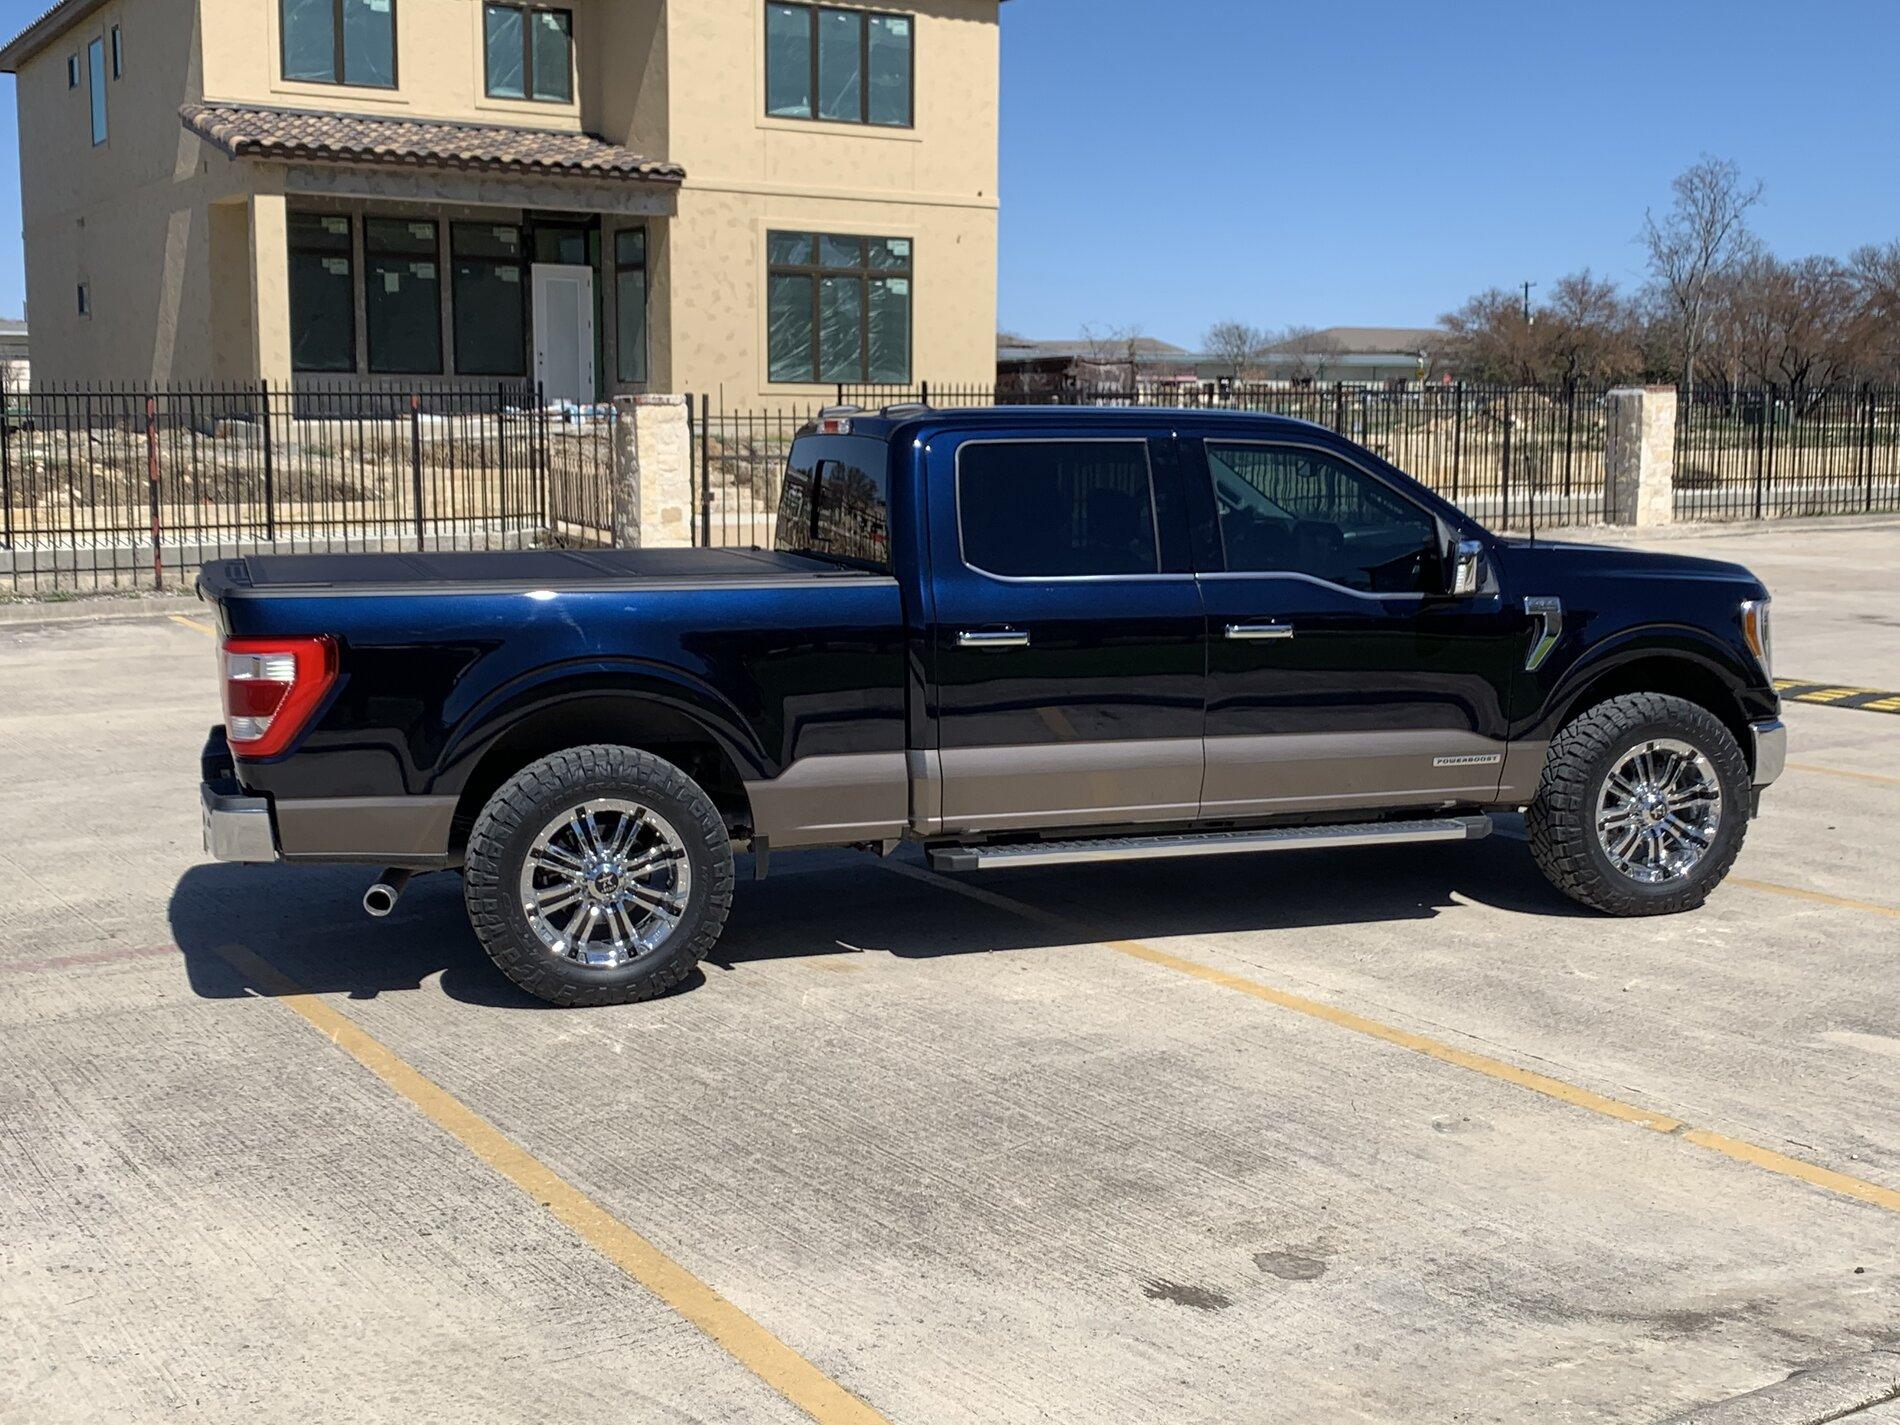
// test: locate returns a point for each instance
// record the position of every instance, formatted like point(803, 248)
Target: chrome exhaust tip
point(380, 899)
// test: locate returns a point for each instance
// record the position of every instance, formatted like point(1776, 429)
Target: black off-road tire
point(1561, 819)
point(505, 831)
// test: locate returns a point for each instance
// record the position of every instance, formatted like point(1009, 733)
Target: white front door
point(564, 332)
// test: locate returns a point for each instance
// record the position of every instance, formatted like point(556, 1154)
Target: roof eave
point(43, 31)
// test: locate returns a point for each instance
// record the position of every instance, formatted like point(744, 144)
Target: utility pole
point(1527, 302)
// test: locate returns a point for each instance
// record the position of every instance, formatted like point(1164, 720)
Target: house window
point(839, 308)
point(491, 299)
point(85, 299)
point(72, 71)
point(530, 53)
point(844, 66)
point(402, 296)
point(630, 302)
point(118, 54)
point(322, 293)
point(340, 41)
point(96, 69)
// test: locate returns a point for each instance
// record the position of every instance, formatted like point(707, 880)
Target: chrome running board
point(1218, 843)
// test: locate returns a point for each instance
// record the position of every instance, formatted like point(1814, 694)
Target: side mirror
point(1467, 561)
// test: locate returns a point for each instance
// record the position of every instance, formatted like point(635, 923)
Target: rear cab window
point(1057, 509)
point(835, 502)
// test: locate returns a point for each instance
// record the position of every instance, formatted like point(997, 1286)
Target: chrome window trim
point(1225, 575)
point(1154, 512)
point(1219, 529)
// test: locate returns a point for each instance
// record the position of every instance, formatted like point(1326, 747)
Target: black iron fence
point(1765, 454)
point(105, 489)
point(1515, 457)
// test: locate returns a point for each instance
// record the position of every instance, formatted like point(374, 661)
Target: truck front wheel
point(1642, 806)
point(599, 875)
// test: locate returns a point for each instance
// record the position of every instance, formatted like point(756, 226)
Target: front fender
point(1700, 659)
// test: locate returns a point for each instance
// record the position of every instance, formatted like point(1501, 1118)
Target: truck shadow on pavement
point(305, 922)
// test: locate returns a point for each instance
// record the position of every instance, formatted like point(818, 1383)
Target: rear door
point(1067, 639)
point(1340, 675)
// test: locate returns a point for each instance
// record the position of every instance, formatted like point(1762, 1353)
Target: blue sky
point(1171, 165)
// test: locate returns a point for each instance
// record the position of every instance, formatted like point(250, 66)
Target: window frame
point(1145, 440)
point(817, 271)
point(338, 60)
point(292, 247)
point(118, 53)
point(96, 82)
point(1431, 516)
point(864, 18)
point(372, 254)
point(73, 71)
point(527, 9)
point(83, 297)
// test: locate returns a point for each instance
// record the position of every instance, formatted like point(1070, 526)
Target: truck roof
point(907, 422)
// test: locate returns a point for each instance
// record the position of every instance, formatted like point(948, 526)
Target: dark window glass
point(834, 501)
point(72, 71)
point(85, 299)
point(567, 247)
point(507, 53)
point(1293, 510)
point(402, 296)
point(96, 67)
point(491, 297)
point(1053, 509)
point(790, 326)
point(844, 66)
point(553, 45)
point(888, 48)
point(630, 303)
point(118, 54)
point(840, 65)
point(840, 308)
point(788, 63)
point(340, 41)
point(322, 293)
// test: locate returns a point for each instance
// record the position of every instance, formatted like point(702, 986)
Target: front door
point(564, 333)
point(1340, 675)
point(1066, 644)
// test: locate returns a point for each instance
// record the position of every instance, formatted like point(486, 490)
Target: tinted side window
point(1289, 509)
point(835, 502)
point(1055, 509)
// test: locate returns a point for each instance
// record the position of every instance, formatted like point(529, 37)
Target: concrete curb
point(1833, 1390)
point(99, 609)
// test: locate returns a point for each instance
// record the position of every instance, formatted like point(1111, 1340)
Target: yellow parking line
point(192, 623)
point(1737, 1149)
point(1842, 772)
point(1819, 897)
point(744, 1339)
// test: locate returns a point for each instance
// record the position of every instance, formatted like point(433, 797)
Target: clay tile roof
point(301, 136)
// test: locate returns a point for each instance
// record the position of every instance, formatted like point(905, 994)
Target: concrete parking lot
point(1399, 1136)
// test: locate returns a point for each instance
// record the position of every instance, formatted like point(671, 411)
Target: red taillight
point(271, 687)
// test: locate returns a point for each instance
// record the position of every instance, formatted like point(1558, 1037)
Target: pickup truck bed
point(525, 569)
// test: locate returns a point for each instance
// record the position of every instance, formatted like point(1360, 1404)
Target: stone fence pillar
point(653, 473)
point(1640, 456)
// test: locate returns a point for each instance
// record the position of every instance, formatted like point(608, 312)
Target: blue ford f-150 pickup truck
point(1014, 636)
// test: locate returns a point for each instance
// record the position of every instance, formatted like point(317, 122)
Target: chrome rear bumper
point(236, 827)
point(1770, 750)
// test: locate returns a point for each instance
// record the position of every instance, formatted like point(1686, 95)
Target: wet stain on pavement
point(1201, 1298)
point(1290, 1266)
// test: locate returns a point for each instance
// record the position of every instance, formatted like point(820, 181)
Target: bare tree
point(1305, 353)
point(1792, 326)
point(1587, 330)
point(1236, 346)
point(1490, 339)
point(1702, 236)
point(1115, 351)
point(1875, 273)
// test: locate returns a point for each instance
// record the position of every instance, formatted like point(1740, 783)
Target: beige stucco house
point(746, 198)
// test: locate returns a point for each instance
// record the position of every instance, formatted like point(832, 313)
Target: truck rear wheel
point(1642, 806)
point(599, 875)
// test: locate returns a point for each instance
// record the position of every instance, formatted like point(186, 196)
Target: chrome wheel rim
point(605, 883)
point(1659, 811)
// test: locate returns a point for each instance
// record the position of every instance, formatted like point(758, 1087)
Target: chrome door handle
point(1259, 630)
point(992, 638)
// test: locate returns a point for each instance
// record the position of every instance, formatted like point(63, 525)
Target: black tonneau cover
point(530, 568)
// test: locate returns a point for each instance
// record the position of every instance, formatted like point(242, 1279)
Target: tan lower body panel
point(825, 801)
point(1297, 772)
point(390, 830)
